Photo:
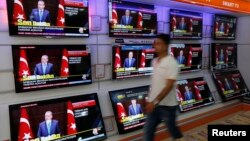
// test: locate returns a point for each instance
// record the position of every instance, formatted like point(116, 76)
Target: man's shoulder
point(55, 121)
point(50, 64)
point(38, 64)
point(46, 11)
point(42, 123)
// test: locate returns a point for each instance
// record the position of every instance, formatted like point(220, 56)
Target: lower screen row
point(79, 117)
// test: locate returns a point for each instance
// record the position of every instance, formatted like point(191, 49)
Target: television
point(129, 119)
point(185, 24)
point(188, 56)
point(131, 60)
point(223, 56)
point(129, 19)
point(193, 93)
point(68, 119)
point(225, 27)
point(48, 17)
point(38, 67)
point(230, 84)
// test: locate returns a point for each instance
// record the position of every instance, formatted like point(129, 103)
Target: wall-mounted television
point(48, 17)
point(223, 56)
point(129, 19)
point(38, 67)
point(132, 60)
point(185, 24)
point(230, 84)
point(188, 56)
point(193, 93)
point(128, 106)
point(69, 119)
point(225, 27)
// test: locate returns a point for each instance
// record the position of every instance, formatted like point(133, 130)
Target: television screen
point(223, 56)
point(225, 27)
point(132, 60)
point(230, 84)
point(129, 19)
point(128, 106)
point(39, 67)
point(188, 56)
point(75, 118)
point(193, 93)
point(185, 24)
point(48, 17)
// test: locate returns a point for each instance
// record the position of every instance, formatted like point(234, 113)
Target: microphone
point(31, 18)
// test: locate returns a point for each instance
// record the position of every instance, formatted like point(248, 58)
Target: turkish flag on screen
point(18, 11)
point(190, 56)
point(217, 56)
point(24, 69)
point(114, 17)
point(71, 124)
point(143, 59)
point(235, 84)
point(140, 21)
point(172, 51)
point(25, 132)
point(117, 58)
point(226, 56)
point(60, 14)
point(179, 95)
point(197, 92)
point(65, 64)
point(120, 110)
point(221, 86)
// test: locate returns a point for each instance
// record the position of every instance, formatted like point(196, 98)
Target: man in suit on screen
point(126, 19)
point(182, 24)
point(40, 14)
point(227, 84)
point(181, 59)
point(130, 61)
point(134, 108)
point(49, 126)
point(188, 94)
point(44, 67)
point(221, 56)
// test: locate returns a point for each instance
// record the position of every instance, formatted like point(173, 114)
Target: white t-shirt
point(166, 68)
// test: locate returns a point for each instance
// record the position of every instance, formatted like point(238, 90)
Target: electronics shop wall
point(100, 44)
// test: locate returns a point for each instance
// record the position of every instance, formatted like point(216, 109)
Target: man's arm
point(35, 70)
point(39, 131)
point(170, 84)
point(58, 131)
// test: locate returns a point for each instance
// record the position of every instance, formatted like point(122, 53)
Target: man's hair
point(45, 56)
point(48, 112)
point(41, 1)
point(164, 37)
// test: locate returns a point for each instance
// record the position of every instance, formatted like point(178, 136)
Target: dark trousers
point(166, 113)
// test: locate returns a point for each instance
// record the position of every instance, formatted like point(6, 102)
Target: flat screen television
point(225, 27)
point(129, 19)
point(230, 84)
point(223, 56)
point(185, 24)
point(68, 119)
point(188, 56)
point(48, 17)
point(38, 67)
point(193, 93)
point(132, 60)
point(128, 106)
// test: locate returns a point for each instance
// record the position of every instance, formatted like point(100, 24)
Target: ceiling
point(177, 5)
point(171, 4)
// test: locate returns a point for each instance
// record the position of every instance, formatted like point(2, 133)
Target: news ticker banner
point(230, 132)
point(241, 6)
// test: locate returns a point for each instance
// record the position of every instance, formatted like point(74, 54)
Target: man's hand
point(150, 107)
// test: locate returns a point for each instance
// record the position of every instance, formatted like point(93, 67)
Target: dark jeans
point(166, 113)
